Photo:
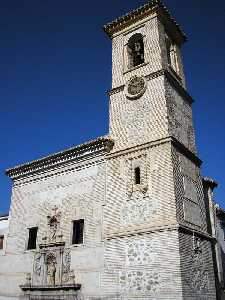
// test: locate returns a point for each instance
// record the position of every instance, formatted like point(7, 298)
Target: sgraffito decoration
point(199, 278)
point(139, 282)
point(140, 252)
point(137, 211)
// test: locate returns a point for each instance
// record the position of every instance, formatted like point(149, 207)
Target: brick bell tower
point(155, 230)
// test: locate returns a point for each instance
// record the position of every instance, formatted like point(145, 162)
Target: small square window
point(32, 239)
point(1, 241)
point(78, 232)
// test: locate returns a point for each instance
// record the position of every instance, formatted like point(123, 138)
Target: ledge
point(172, 79)
point(64, 287)
point(183, 149)
point(102, 144)
point(209, 182)
point(142, 12)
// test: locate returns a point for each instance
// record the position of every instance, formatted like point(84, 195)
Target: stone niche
point(51, 277)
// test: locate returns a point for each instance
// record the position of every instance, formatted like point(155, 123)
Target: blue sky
point(55, 67)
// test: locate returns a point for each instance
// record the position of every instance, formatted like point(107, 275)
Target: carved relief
point(38, 264)
point(51, 264)
point(66, 265)
point(135, 87)
point(139, 282)
point(136, 211)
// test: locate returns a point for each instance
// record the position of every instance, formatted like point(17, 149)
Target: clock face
point(136, 87)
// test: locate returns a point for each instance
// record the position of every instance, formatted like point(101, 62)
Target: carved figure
point(51, 268)
point(51, 271)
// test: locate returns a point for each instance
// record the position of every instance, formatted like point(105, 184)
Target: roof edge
point(209, 182)
point(139, 13)
point(98, 145)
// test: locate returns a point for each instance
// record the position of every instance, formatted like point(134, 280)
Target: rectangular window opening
point(78, 232)
point(137, 175)
point(32, 239)
point(1, 241)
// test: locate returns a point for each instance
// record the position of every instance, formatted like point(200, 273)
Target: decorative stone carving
point(135, 87)
point(52, 261)
point(137, 191)
point(38, 264)
point(139, 282)
point(137, 211)
point(66, 265)
point(51, 264)
point(54, 235)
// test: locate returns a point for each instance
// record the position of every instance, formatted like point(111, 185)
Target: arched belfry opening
point(135, 49)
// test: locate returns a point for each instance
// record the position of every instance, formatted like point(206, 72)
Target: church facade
point(122, 216)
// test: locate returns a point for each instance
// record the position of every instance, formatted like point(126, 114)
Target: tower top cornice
point(152, 6)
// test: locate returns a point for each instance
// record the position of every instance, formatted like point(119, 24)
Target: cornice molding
point(184, 150)
point(177, 84)
point(169, 139)
point(116, 90)
point(142, 12)
point(131, 231)
point(100, 145)
point(191, 231)
point(209, 182)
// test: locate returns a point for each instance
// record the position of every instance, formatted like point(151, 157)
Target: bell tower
point(154, 226)
point(146, 68)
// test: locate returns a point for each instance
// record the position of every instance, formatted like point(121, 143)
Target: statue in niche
point(51, 269)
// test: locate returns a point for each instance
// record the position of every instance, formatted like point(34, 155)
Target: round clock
point(135, 87)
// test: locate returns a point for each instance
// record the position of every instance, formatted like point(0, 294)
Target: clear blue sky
point(55, 66)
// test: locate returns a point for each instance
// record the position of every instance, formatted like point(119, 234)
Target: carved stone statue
point(51, 272)
point(51, 268)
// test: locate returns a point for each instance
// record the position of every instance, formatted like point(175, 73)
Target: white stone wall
point(135, 122)
point(152, 204)
point(4, 227)
point(78, 192)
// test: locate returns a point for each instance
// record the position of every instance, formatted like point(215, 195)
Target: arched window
point(172, 55)
point(168, 50)
point(135, 49)
point(137, 175)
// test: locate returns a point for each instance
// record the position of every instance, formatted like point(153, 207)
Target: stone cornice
point(102, 144)
point(169, 139)
point(141, 147)
point(183, 149)
point(130, 231)
point(203, 234)
point(142, 12)
point(177, 85)
point(209, 182)
point(171, 79)
point(116, 90)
